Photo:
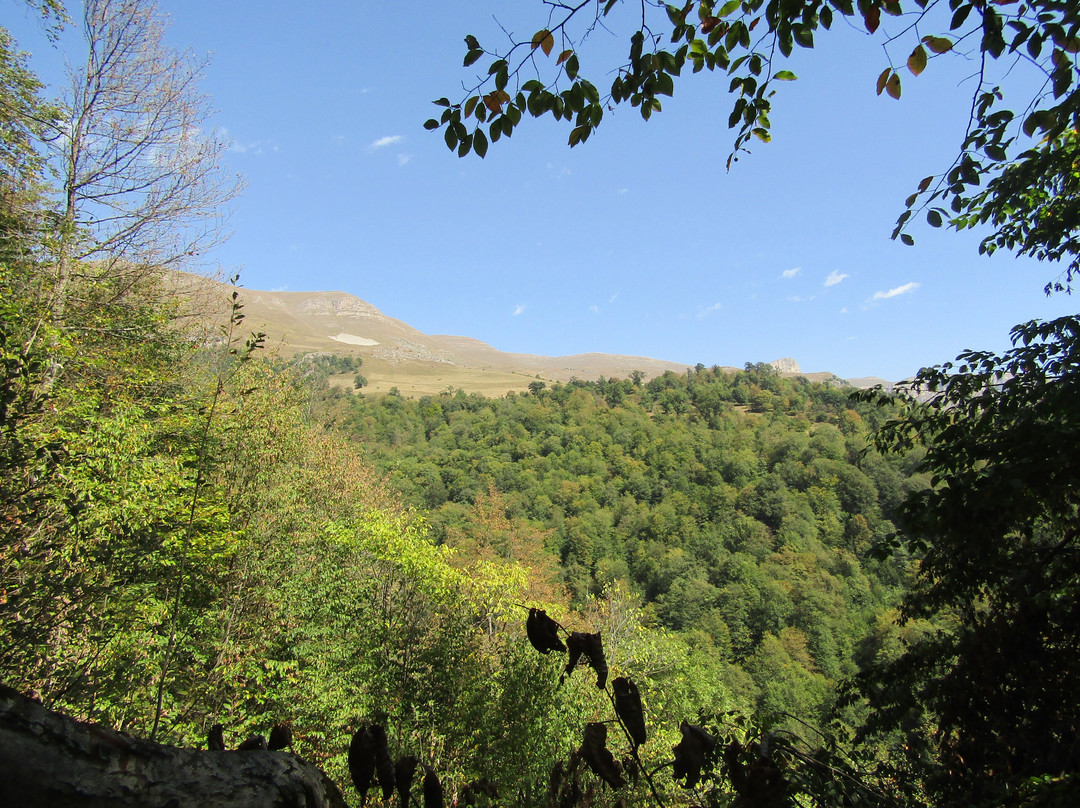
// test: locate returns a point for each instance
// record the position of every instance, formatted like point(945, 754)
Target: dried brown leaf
point(628, 708)
point(690, 753)
point(433, 790)
point(543, 632)
point(215, 738)
point(404, 771)
point(595, 753)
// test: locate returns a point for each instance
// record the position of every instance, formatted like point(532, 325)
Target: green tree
point(1016, 162)
point(986, 705)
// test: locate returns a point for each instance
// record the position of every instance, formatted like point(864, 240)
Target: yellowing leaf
point(938, 44)
point(892, 86)
point(884, 77)
point(494, 101)
point(566, 54)
point(544, 40)
point(917, 61)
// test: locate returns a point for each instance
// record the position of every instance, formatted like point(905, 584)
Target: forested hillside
point(736, 508)
point(710, 588)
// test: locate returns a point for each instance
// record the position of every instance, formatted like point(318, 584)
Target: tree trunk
point(52, 761)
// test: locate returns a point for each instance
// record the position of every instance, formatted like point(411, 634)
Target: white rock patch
point(351, 339)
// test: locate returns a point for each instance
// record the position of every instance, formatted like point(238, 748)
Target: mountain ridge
point(394, 354)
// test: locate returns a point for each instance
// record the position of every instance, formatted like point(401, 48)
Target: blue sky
point(637, 242)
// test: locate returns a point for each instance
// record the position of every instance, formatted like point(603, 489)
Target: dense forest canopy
point(718, 588)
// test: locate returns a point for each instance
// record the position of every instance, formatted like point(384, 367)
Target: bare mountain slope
point(394, 353)
point(397, 355)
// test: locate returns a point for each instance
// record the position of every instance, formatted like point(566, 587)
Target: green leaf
point(472, 57)
point(430, 124)
point(572, 66)
point(442, 102)
point(959, 16)
point(729, 7)
point(933, 218)
point(479, 144)
point(804, 36)
point(785, 75)
point(470, 105)
point(907, 239)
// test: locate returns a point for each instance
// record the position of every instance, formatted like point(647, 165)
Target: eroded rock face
point(786, 365)
point(342, 305)
point(48, 760)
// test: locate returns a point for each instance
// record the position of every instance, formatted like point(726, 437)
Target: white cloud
point(519, 309)
point(389, 140)
point(790, 273)
point(899, 290)
point(402, 159)
point(835, 277)
point(612, 298)
point(255, 147)
point(594, 309)
point(709, 310)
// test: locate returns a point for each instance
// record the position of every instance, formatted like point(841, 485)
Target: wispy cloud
point(835, 277)
point(389, 140)
point(710, 309)
point(613, 298)
point(791, 273)
point(254, 147)
point(402, 159)
point(899, 290)
point(594, 309)
point(518, 309)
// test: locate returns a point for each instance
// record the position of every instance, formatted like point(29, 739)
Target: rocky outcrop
point(786, 365)
point(48, 760)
